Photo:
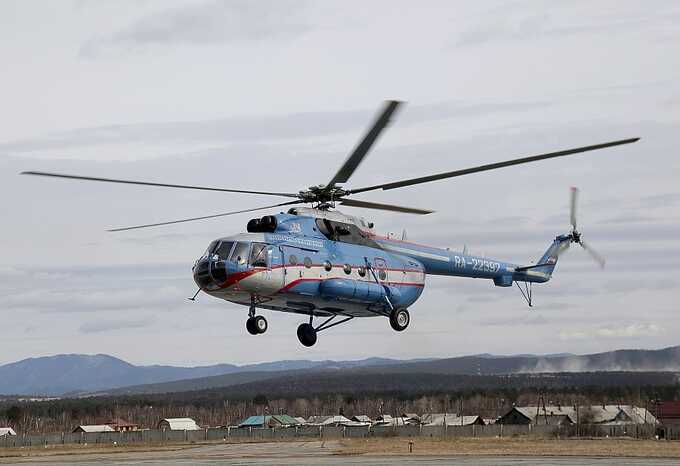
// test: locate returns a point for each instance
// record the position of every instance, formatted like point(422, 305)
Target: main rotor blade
point(491, 166)
point(598, 258)
point(205, 217)
point(375, 205)
point(365, 145)
point(147, 183)
point(574, 201)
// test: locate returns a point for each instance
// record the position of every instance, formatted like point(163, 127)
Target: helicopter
point(326, 265)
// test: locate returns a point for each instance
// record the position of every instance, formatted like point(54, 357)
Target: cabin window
point(293, 259)
point(308, 262)
point(362, 271)
point(328, 266)
point(240, 254)
point(258, 255)
point(347, 269)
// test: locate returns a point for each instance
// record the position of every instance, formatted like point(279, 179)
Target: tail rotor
point(575, 235)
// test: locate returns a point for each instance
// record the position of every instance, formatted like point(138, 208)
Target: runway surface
point(307, 453)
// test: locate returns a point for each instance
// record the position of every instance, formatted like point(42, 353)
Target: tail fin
point(548, 261)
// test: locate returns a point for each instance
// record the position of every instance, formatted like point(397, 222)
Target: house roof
point(361, 418)
point(6, 431)
point(667, 410)
point(328, 420)
point(596, 414)
point(181, 423)
point(301, 420)
point(439, 419)
point(272, 419)
point(94, 429)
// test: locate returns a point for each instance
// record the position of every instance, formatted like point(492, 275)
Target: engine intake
point(266, 224)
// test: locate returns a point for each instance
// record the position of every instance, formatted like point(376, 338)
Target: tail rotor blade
point(574, 201)
point(597, 257)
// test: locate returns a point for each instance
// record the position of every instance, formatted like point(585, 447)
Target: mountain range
point(74, 374)
point(80, 373)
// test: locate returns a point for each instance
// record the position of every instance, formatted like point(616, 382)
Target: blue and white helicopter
point(324, 264)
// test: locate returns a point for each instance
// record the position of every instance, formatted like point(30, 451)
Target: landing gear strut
point(255, 325)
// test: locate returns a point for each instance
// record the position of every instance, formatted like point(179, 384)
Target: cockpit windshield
point(240, 254)
point(223, 250)
point(211, 248)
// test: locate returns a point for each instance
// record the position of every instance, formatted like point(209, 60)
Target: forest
point(487, 396)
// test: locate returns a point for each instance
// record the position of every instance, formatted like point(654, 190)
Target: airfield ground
point(371, 452)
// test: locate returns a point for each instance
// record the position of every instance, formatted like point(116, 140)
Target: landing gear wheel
point(399, 319)
point(306, 334)
point(256, 325)
point(260, 324)
point(250, 326)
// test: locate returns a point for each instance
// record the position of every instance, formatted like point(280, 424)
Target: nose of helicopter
point(209, 274)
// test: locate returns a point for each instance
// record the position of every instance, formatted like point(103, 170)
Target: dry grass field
point(379, 447)
point(512, 447)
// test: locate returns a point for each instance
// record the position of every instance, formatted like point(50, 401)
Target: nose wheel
point(256, 325)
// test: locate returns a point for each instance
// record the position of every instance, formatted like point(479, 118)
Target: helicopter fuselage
point(324, 263)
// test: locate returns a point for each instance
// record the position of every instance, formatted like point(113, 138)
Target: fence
point(233, 434)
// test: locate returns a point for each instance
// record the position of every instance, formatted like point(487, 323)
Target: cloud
point(317, 130)
point(523, 21)
point(206, 23)
point(636, 330)
point(97, 326)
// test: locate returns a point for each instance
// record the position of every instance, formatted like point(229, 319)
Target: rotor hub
point(322, 194)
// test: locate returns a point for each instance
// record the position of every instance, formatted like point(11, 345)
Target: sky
point(273, 95)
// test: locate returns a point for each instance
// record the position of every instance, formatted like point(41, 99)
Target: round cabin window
point(382, 274)
point(328, 266)
point(347, 268)
point(293, 259)
point(362, 271)
point(308, 262)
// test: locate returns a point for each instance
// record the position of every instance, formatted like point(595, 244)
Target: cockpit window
point(224, 249)
point(210, 250)
point(240, 254)
point(258, 255)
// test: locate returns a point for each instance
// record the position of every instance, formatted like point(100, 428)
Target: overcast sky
point(272, 96)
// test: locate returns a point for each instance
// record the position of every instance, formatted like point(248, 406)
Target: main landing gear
point(307, 332)
point(399, 319)
point(255, 325)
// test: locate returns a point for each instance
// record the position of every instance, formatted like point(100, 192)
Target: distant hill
point(101, 374)
point(663, 360)
point(633, 360)
point(370, 383)
point(78, 373)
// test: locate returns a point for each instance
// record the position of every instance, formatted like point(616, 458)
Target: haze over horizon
point(275, 95)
